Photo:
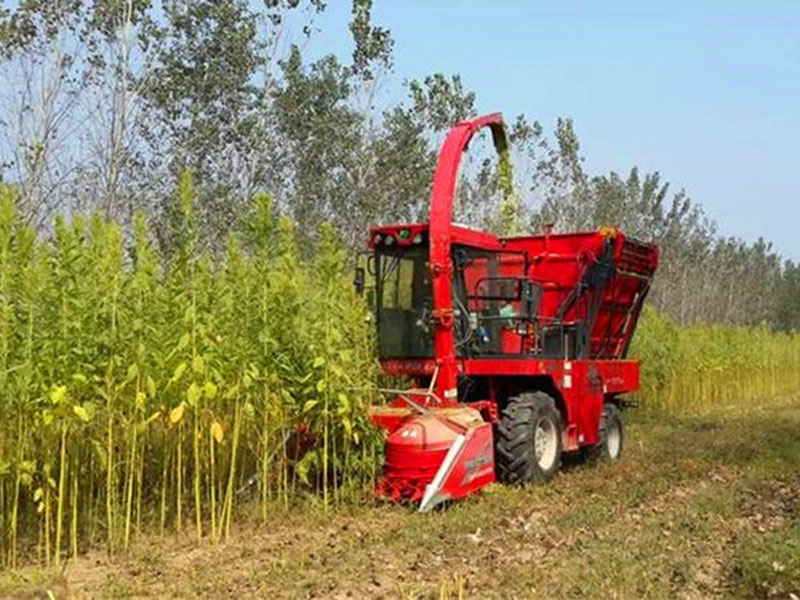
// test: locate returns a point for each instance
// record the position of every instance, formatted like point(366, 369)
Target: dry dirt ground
point(699, 507)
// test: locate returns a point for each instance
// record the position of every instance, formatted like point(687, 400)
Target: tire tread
point(515, 455)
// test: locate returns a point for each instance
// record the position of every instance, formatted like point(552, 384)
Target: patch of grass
point(31, 583)
point(118, 591)
point(766, 565)
point(766, 560)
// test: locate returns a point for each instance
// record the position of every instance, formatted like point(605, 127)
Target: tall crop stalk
point(62, 481)
point(165, 473)
point(73, 529)
point(227, 507)
point(7, 231)
point(212, 491)
point(48, 486)
point(178, 480)
point(129, 484)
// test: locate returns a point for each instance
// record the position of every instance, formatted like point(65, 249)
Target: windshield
point(403, 303)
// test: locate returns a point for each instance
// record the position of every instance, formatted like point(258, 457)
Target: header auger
point(517, 345)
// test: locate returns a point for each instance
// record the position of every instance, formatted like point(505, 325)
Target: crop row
point(692, 368)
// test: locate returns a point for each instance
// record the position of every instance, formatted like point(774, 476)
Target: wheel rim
point(614, 439)
point(545, 439)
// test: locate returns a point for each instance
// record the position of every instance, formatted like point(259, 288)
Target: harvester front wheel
point(611, 436)
point(528, 446)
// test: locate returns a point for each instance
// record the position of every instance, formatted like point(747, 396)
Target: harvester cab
point(517, 345)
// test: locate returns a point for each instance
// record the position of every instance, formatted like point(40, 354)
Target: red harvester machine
point(517, 345)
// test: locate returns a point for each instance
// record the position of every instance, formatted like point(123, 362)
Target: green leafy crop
point(138, 389)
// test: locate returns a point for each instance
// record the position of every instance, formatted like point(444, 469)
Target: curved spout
point(441, 264)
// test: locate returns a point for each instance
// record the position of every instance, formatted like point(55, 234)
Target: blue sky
point(707, 93)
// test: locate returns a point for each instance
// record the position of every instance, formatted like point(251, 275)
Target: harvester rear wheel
point(611, 436)
point(528, 446)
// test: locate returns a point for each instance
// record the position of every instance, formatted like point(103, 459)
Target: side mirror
point(358, 280)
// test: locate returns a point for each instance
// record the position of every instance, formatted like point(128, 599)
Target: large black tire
point(611, 439)
point(518, 457)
